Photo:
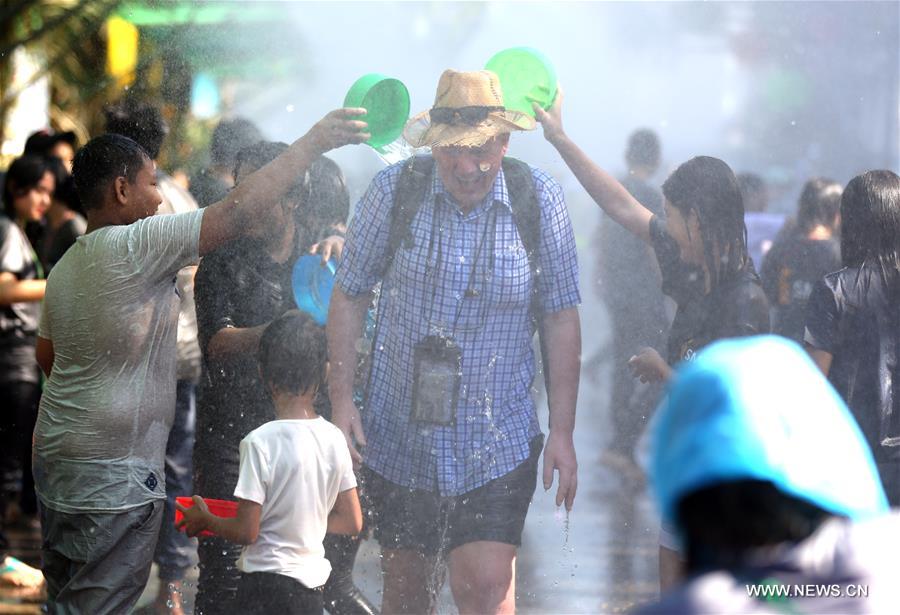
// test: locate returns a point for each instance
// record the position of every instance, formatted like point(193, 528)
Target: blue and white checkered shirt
point(420, 296)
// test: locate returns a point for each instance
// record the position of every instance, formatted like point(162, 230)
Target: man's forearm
point(344, 329)
point(562, 344)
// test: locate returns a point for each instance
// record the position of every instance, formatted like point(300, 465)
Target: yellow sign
point(121, 50)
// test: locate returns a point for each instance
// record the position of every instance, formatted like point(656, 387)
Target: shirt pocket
point(511, 282)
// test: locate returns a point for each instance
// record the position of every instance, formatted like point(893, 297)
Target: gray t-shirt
point(111, 311)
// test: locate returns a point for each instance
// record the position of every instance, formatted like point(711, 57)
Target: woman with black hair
point(701, 248)
point(853, 320)
point(802, 255)
point(26, 198)
point(64, 221)
point(239, 289)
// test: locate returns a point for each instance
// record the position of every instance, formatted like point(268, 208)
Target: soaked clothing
point(844, 559)
point(239, 285)
point(736, 308)
point(424, 293)
point(98, 563)
point(852, 314)
point(789, 271)
point(111, 310)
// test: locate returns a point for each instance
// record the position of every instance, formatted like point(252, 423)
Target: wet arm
point(346, 515)
point(13, 290)
point(242, 529)
point(234, 341)
point(344, 329)
point(241, 211)
point(45, 355)
point(562, 345)
point(607, 192)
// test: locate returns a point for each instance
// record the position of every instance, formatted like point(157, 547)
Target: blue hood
point(759, 408)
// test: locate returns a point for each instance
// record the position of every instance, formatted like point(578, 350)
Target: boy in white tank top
point(296, 481)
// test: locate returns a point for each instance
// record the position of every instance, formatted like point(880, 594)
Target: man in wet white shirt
point(107, 344)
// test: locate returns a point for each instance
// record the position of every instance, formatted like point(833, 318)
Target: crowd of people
point(165, 356)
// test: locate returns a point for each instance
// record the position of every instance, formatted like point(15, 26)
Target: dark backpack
point(412, 187)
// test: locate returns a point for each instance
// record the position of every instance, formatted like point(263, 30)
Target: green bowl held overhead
point(526, 76)
point(386, 101)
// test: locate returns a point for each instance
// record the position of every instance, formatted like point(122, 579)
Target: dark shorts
point(405, 518)
point(267, 592)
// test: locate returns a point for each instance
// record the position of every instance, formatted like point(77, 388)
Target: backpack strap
point(412, 186)
point(526, 212)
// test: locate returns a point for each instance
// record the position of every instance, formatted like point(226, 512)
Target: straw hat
point(468, 111)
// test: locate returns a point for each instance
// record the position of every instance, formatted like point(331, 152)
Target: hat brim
point(420, 132)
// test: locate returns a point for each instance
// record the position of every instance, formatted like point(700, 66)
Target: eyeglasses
point(462, 116)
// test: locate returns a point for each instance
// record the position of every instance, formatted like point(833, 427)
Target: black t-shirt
point(855, 316)
point(790, 269)
point(735, 308)
point(57, 242)
point(627, 275)
point(239, 286)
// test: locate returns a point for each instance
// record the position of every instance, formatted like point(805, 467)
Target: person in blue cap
point(773, 490)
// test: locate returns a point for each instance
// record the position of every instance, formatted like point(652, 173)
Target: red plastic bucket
point(220, 508)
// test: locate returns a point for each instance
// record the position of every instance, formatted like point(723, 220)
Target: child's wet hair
point(293, 354)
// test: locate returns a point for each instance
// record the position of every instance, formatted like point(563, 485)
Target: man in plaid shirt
point(458, 484)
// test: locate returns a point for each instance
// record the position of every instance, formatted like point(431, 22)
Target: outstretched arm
point(607, 192)
point(239, 213)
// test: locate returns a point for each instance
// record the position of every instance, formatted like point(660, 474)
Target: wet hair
point(708, 187)
point(258, 155)
point(231, 136)
point(643, 149)
point(870, 222)
point(753, 189)
point(293, 354)
point(101, 161)
point(24, 174)
point(724, 524)
point(140, 122)
point(329, 198)
point(820, 202)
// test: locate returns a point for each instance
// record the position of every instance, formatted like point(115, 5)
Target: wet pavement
point(602, 559)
